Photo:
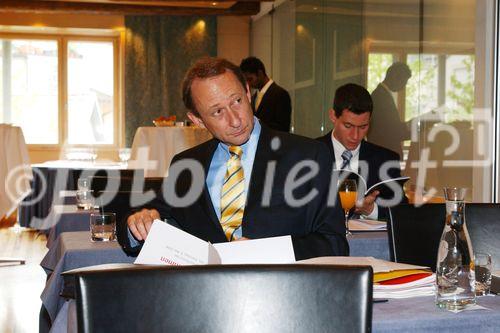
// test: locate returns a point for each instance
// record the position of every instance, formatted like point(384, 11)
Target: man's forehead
point(209, 91)
point(351, 117)
point(214, 81)
point(349, 113)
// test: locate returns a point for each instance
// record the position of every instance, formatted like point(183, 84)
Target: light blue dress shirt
point(217, 169)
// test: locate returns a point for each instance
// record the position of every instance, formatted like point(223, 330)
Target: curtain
point(158, 51)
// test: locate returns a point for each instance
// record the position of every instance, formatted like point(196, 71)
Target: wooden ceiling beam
point(59, 7)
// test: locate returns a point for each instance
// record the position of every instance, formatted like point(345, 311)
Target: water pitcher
point(455, 278)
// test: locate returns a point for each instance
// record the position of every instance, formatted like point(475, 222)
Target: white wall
point(233, 37)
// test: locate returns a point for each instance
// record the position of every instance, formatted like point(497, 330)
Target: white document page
point(167, 245)
point(274, 250)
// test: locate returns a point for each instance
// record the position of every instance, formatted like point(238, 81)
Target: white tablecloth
point(160, 144)
point(15, 170)
point(87, 165)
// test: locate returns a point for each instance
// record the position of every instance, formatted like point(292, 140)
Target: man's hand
point(140, 222)
point(366, 206)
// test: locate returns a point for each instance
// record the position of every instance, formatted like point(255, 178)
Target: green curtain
point(158, 51)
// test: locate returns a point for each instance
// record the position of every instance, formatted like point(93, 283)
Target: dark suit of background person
point(275, 107)
point(375, 156)
point(387, 129)
point(351, 116)
point(316, 230)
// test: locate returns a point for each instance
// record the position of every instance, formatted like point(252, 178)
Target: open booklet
point(384, 186)
point(167, 245)
point(378, 265)
point(391, 279)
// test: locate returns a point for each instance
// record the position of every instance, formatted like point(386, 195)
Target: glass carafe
point(455, 278)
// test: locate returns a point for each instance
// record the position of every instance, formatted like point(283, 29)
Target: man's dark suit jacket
point(275, 109)
point(316, 230)
point(386, 127)
point(375, 156)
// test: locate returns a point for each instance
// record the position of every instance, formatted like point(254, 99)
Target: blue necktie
point(346, 156)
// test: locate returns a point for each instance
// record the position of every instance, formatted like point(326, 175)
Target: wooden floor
point(21, 285)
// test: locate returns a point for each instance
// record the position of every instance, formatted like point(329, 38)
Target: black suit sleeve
point(282, 112)
point(124, 235)
point(327, 237)
point(158, 203)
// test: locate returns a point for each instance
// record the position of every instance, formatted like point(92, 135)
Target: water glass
point(124, 154)
point(84, 199)
point(103, 227)
point(83, 184)
point(482, 264)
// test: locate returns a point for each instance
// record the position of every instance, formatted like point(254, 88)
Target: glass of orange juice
point(348, 195)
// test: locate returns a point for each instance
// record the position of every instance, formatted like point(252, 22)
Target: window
point(377, 65)
point(438, 81)
point(60, 89)
point(422, 89)
point(30, 88)
point(90, 93)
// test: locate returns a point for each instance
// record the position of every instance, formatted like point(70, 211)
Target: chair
point(415, 232)
point(236, 298)
point(483, 224)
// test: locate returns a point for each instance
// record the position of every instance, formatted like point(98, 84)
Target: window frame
point(63, 38)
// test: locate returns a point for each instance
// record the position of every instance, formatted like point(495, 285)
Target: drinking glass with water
point(84, 199)
point(482, 263)
point(103, 227)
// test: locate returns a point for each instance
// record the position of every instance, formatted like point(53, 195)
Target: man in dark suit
point(279, 181)
point(352, 108)
point(386, 114)
point(271, 103)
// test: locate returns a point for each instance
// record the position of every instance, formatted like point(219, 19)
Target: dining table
point(52, 177)
point(154, 147)
point(74, 250)
point(68, 218)
point(15, 169)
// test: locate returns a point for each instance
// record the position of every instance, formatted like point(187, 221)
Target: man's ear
point(195, 119)
point(332, 116)
point(249, 94)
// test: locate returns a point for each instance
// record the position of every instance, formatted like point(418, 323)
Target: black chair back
point(415, 232)
point(236, 298)
point(483, 224)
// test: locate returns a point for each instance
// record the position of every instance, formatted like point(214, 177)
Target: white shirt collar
point(338, 149)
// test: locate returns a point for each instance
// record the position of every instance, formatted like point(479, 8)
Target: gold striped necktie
point(233, 196)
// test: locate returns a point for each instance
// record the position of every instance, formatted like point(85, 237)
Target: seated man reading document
point(351, 113)
point(249, 181)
